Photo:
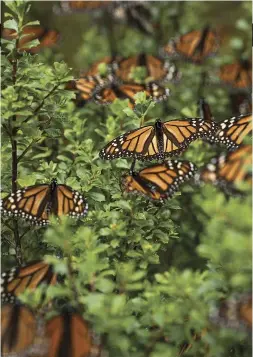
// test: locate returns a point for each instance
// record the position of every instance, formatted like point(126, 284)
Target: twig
point(202, 83)
point(26, 150)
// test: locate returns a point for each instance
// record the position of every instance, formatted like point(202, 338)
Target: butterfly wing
point(70, 333)
point(69, 202)
point(82, 6)
point(140, 143)
point(29, 203)
point(238, 75)
point(178, 134)
point(87, 86)
point(232, 131)
point(159, 182)
point(47, 37)
point(18, 331)
point(15, 281)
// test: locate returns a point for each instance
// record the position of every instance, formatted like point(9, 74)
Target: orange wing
point(78, 6)
point(47, 38)
point(135, 143)
point(15, 281)
point(231, 132)
point(238, 75)
point(178, 134)
point(18, 332)
point(71, 332)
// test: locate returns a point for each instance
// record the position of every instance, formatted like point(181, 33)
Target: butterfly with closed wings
point(36, 203)
point(159, 182)
point(159, 140)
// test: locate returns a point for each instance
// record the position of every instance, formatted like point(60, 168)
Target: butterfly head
point(53, 184)
point(158, 124)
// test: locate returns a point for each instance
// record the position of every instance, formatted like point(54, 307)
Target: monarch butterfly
point(77, 6)
point(87, 87)
point(237, 75)
point(19, 329)
point(157, 69)
point(113, 90)
point(15, 281)
point(241, 103)
point(235, 312)
point(37, 202)
point(159, 181)
point(47, 38)
point(159, 140)
point(231, 132)
point(69, 335)
point(228, 169)
point(195, 46)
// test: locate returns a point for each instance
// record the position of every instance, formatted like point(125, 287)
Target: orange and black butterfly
point(69, 7)
point(156, 68)
point(159, 140)
point(227, 170)
point(70, 336)
point(127, 90)
point(237, 75)
point(159, 182)
point(36, 203)
point(236, 312)
point(194, 46)
point(47, 38)
point(231, 132)
point(15, 281)
point(19, 329)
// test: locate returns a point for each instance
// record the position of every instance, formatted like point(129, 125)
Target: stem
point(72, 284)
point(108, 20)
point(202, 83)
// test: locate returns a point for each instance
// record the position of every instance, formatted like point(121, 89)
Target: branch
point(42, 103)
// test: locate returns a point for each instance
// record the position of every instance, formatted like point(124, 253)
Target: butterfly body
point(36, 203)
point(159, 140)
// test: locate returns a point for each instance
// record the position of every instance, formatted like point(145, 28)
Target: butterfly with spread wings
point(157, 69)
point(36, 203)
point(237, 75)
point(194, 46)
point(159, 140)
point(159, 182)
point(15, 281)
point(231, 132)
point(227, 170)
point(127, 90)
point(110, 62)
point(47, 38)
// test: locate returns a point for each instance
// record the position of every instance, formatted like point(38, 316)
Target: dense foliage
point(148, 274)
